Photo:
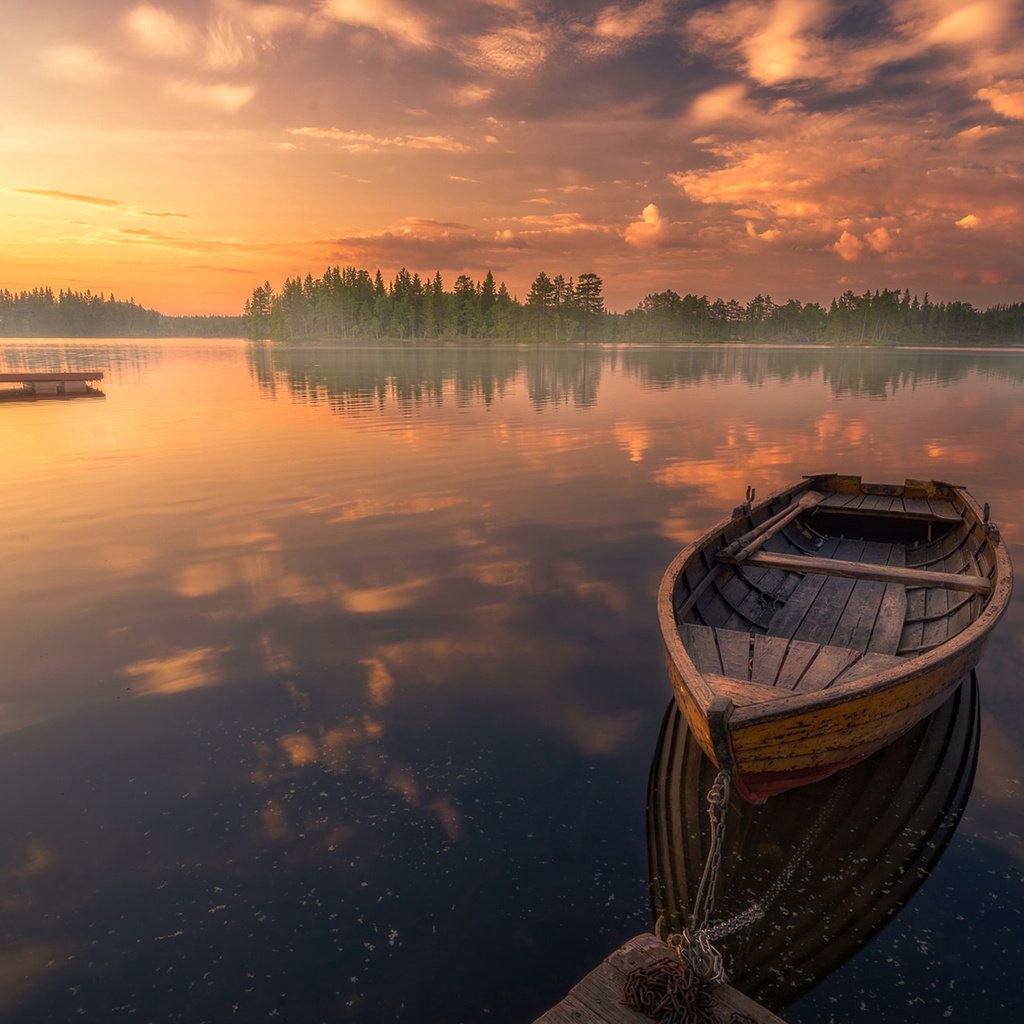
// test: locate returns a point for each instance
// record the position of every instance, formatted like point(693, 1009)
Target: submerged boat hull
point(796, 650)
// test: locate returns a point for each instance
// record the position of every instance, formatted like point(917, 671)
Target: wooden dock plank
point(597, 999)
point(26, 377)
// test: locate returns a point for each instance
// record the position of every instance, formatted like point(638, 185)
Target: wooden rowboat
point(809, 630)
point(828, 864)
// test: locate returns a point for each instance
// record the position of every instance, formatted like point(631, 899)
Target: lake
point(332, 677)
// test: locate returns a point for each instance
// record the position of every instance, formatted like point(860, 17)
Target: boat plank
point(798, 656)
point(892, 612)
point(787, 619)
point(734, 650)
point(943, 509)
point(917, 506)
point(837, 500)
point(769, 653)
point(867, 665)
point(742, 693)
point(861, 612)
point(877, 502)
point(828, 664)
point(699, 642)
point(823, 615)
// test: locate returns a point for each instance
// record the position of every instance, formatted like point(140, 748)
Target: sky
point(181, 153)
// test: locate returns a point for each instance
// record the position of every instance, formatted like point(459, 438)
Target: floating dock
point(56, 384)
point(597, 999)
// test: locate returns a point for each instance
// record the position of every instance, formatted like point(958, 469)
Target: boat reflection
point(830, 863)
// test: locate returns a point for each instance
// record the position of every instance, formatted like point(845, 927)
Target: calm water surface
point(332, 679)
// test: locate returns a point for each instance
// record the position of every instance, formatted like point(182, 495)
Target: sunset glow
point(182, 152)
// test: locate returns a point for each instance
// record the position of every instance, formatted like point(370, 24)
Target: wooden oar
point(756, 538)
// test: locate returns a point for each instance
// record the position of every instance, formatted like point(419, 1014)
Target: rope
point(680, 989)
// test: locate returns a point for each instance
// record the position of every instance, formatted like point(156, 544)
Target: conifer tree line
point(351, 304)
point(41, 313)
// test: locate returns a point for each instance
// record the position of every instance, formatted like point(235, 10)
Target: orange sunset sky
point(182, 152)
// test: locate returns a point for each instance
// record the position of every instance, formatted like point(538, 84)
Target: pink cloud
point(849, 247)
point(1008, 101)
point(649, 230)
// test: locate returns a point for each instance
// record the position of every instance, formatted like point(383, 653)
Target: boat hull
point(774, 738)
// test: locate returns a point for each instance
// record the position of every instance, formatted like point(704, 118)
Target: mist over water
point(333, 677)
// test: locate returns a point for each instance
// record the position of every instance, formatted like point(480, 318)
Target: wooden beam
point(866, 571)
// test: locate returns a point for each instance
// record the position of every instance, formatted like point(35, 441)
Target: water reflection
point(358, 380)
point(353, 380)
point(398, 630)
point(829, 864)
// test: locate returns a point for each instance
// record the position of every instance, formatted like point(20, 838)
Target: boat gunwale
point(790, 702)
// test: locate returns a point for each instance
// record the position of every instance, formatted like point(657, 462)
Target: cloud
point(780, 41)
point(616, 22)
point(364, 142)
point(724, 103)
point(468, 95)
point(515, 50)
point(849, 247)
point(72, 197)
point(226, 96)
point(231, 38)
point(776, 41)
point(162, 213)
point(969, 222)
point(388, 17)
point(1008, 102)
point(879, 240)
point(955, 23)
point(649, 230)
point(76, 63)
point(160, 32)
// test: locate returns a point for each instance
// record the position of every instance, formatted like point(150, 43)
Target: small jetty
point(55, 384)
point(598, 998)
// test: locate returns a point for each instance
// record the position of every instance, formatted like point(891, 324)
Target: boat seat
point(773, 661)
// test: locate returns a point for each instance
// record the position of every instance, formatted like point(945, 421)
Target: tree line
point(42, 313)
point(350, 304)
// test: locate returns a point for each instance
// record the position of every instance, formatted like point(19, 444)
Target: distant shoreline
point(522, 343)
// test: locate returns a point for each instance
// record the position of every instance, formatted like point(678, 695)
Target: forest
point(41, 313)
point(350, 304)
